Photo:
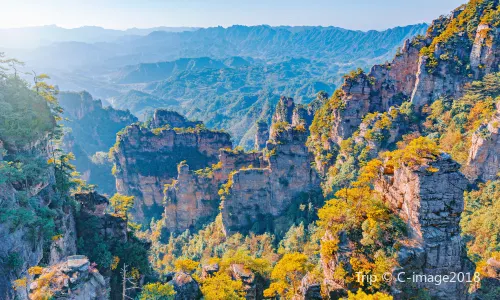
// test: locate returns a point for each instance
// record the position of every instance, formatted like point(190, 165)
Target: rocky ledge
point(74, 279)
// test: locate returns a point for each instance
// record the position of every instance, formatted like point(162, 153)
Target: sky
point(122, 14)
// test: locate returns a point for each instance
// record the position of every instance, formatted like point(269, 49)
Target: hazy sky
point(121, 14)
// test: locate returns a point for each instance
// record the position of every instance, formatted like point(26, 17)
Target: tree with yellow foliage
point(222, 286)
point(420, 151)
point(157, 291)
point(360, 295)
point(186, 265)
point(122, 204)
point(287, 274)
point(372, 230)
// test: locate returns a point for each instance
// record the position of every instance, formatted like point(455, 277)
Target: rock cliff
point(431, 203)
point(193, 199)
point(37, 223)
point(261, 136)
point(484, 154)
point(92, 131)
point(255, 198)
point(146, 159)
point(257, 187)
point(93, 211)
point(456, 50)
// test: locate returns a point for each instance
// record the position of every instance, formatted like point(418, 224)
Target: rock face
point(384, 86)
point(484, 154)
point(93, 129)
point(431, 205)
point(284, 110)
point(93, 207)
point(146, 159)
point(484, 58)
point(193, 199)
point(252, 284)
point(261, 136)
point(189, 200)
point(425, 69)
point(309, 289)
point(258, 188)
point(64, 244)
point(287, 111)
point(186, 288)
point(73, 279)
point(257, 196)
point(450, 74)
point(78, 105)
point(19, 250)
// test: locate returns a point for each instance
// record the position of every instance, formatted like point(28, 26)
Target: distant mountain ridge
point(28, 37)
point(329, 44)
point(162, 70)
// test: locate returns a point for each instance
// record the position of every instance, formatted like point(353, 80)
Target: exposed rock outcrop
point(193, 199)
point(93, 210)
point(309, 289)
point(430, 202)
point(484, 153)
point(146, 159)
point(256, 197)
point(73, 279)
point(261, 136)
point(484, 56)
point(456, 50)
point(445, 67)
point(93, 129)
point(25, 246)
point(64, 244)
point(253, 284)
point(78, 105)
point(284, 110)
point(186, 288)
point(190, 200)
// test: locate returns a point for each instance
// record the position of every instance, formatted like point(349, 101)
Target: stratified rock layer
point(193, 200)
point(146, 159)
point(257, 196)
point(431, 204)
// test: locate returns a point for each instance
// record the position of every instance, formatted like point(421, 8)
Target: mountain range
point(226, 83)
point(31, 37)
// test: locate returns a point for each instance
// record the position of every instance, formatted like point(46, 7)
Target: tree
point(186, 265)
point(157, 291)
point(12, 64)
point(221, 286)
point(419, 151)
point(287, 274)
point(360, 295)
point(122, 204)
point(48, 92)
point(128, 283)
